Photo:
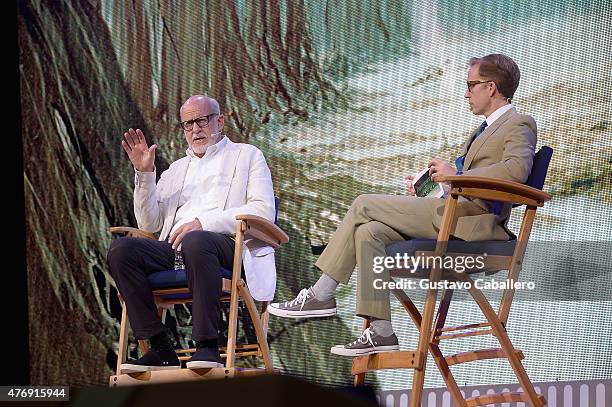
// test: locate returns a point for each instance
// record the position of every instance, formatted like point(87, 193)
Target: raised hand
point(140, 154)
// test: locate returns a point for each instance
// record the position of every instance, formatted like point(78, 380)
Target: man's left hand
point(177, 237)
point(439, 167)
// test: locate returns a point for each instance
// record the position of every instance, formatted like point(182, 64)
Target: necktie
point(494, 206)
point(479, 131)
point(459, 161)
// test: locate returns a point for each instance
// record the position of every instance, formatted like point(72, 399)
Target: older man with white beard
point(194, 204)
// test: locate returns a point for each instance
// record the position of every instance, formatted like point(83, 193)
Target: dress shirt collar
point(496, 114)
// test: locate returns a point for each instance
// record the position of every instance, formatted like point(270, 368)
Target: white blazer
point(246, 186)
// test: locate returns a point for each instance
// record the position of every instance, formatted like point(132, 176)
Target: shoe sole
point(129, 368)
point(201, 364)
point(318, 313)
point(341, 351)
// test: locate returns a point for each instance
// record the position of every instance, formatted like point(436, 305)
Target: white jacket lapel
point(231, 152)
point(175, 194)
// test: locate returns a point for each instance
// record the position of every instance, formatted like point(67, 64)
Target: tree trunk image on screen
point(83, 84)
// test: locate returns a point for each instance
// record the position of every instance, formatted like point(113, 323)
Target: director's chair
point(170, 288)
point(501, 255)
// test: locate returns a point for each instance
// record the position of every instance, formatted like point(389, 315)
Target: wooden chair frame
point(247, 226)
point(429, 339)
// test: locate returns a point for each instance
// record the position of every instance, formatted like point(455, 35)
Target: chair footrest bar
point(248, 346)
point(170, 375)
point(387, 360)
point(506, 397)
point(462, 327)
point(479, 354)
point(170, 303)
point(241, 351)
point(242, 354)
point(180, 375)
point(465, 334)
point(239, 354)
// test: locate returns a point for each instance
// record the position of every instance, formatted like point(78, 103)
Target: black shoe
point(205, 358)
point(153, 360)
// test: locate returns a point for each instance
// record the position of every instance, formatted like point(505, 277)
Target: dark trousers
point(131, 260)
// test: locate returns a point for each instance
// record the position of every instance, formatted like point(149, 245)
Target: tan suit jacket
point(504, 150)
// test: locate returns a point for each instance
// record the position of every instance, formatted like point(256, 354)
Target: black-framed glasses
point(471, 84)
point(201, 121)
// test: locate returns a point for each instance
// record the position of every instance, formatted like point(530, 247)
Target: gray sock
point(382, 327)
point(325, 288)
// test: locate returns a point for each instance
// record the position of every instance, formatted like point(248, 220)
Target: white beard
point(199, 149)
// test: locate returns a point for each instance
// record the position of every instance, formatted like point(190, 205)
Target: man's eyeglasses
point(201, 121)
point(471, 84)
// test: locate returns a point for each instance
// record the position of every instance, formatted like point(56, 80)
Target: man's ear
point(221, 121)
point(493, 89)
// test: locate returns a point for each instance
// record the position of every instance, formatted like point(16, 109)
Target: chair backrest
point(541, 160)
point(276, 205)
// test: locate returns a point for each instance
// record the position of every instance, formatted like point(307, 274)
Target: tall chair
point(170, 288)
point(501, 255)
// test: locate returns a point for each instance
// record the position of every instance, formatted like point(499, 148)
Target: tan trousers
point(372, 222)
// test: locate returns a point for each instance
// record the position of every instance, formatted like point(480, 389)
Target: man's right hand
point(141, 156)
point(409, 187)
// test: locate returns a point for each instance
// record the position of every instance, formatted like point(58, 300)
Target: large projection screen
point(344, 98)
